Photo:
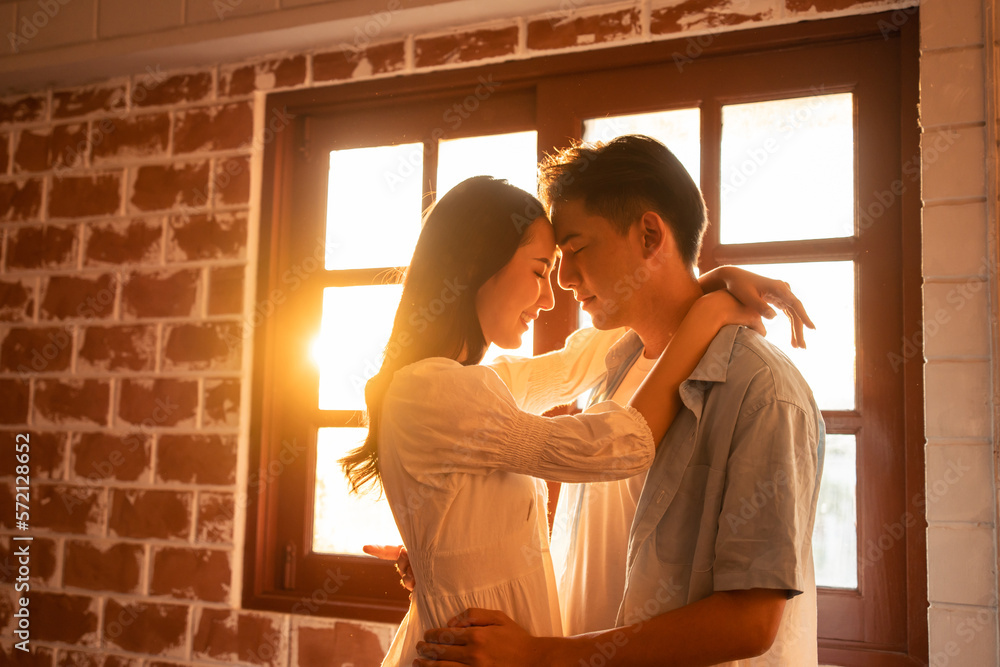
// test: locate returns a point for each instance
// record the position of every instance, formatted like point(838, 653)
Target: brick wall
point(127, 218)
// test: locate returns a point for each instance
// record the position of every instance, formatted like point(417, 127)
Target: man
point(719, 559)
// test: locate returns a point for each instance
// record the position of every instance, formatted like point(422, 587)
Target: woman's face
point(518, 292)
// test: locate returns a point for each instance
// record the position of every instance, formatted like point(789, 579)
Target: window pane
point(343, 522)
point(373, 206)
point(788, 169)
point(835, 535)
point(827, 291)
point(678, 130)
point(355, 329)
point(511, 156)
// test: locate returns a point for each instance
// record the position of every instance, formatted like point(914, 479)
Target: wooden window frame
point(883, 624)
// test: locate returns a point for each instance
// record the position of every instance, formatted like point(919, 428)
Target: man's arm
point(727, 625)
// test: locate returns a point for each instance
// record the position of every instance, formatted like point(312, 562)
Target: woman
point(458, 455)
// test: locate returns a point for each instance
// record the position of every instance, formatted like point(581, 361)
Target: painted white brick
point(950, 23)
point(963, 636)
point(946, 93)
point(955, 240)
point(961, 565)
point(119, 17)
point(200, 11)
point(956, 321)
point(954, 163)
point(959, 484)
point(956, 399)
point(72, 23)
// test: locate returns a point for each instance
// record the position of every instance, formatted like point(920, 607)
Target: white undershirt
point(592, 584)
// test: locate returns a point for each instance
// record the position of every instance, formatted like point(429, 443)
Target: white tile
point(956, 319)
point(954, 240)
point(959, 485)
point(961, 565)
point(62, 24)
point(957, 399)
point(200, 11)
point(950, 23)
point(954, 163)
point(952, 87)
point(962, 636)
point(119, 17)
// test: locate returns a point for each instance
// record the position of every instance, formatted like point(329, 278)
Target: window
point(794, 135)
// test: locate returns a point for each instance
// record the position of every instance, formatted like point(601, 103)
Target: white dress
point(460, 457)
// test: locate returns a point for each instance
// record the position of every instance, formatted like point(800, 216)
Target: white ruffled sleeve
point(555, 378)
point(444, 417)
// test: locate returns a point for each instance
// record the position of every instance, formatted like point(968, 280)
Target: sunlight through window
point(788, 169)
point(343, 522)
point(373, 206)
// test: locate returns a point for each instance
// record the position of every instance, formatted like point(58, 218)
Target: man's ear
point(656, 235)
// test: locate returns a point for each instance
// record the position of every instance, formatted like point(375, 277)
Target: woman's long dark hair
point(468, 235)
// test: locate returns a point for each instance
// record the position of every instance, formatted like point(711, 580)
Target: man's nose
point(568, 277)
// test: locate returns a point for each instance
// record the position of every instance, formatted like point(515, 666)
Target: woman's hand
point(717, 309)
point(398, 554)
point(758, 292)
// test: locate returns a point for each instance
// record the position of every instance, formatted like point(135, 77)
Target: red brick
point(103, 566)
point(44, 557)
point(568, 32)
point(211, 345)
point(465, 46)
point(222, 403)
point(821, 6)
point(48, 452)
point(14, 407)
point(45, 247)
point(72, 402)
point(151, 629)
point(231, 181)
point(150, 514)
point(20, 200)
point(213, 236)
point(700, 14)
point(22, 110)
point(159, 187)
point(137, 136)
point(129, 242)
point(80, 659)
point(191, 574)
point(61, 508)
point(267, 75)
point(345, 64)
point(225, 293)
point(29, 350)
point(38, 656)
point(233, 636)
point(17, 300)
point(59, 147)
point(66, 297)
point(102, 456)
point(80, 196)
point(158, 402)
point(213, 128)
point(83, 101)
point(161, 294)
point(216, 515)
point(118, 348)
point(57, 617)
point(349, 642)
point(196, 459)
point(174, 90)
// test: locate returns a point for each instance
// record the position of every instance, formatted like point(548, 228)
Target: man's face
point(602, 267)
